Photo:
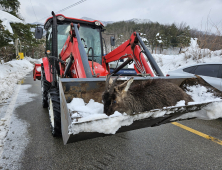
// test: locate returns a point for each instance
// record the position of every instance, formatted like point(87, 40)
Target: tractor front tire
point(45, 86)
point(54, 112)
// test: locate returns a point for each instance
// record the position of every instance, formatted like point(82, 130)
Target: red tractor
point(75, 66)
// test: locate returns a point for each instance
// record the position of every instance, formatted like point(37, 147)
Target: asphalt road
point(163, 147)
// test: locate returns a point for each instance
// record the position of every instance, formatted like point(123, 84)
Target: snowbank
point(97, 121)
point(11, 73)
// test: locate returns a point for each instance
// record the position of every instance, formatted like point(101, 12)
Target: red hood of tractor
point(99, 69)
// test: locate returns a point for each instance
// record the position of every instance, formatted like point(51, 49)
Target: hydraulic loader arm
point(132, 50)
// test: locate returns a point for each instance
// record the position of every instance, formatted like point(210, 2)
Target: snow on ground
point(33, 61)
point(11, 73)
point(17, 140)
point(12, 95)
point(14, 131)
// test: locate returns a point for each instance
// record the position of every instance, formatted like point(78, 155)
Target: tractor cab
point(89, 34)
point(61, 45)
point(89, 31)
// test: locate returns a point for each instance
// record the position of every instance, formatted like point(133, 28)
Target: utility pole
point(16, 47)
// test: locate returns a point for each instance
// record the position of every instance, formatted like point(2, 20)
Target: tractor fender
point(48, 74)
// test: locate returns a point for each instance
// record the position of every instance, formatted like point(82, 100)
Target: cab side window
point(49, 39)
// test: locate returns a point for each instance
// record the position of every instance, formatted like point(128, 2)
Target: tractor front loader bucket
point(93, 88)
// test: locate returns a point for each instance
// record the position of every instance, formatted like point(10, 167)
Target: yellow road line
point(198, 133)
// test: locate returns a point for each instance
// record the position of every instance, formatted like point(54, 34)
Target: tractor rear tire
point(54, 112)
point(45, 86)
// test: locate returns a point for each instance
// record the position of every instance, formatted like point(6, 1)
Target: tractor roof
point(62, 19)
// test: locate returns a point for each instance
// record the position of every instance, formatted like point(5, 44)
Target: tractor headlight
point(97, 23)
point(60, 18)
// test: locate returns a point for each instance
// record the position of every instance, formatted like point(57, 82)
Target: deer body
point(148, 95)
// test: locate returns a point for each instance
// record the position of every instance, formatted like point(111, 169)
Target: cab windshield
point(90, 37)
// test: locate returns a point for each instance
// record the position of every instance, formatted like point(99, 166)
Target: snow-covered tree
point(10, 6)
point(5, 36)
point(13, 28)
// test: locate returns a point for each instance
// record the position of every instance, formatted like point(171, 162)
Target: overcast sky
point(193, 12)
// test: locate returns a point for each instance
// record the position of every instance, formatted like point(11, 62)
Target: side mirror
point(38, 32)
point(112, 41)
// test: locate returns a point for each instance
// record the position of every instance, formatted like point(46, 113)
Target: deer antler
point(107, 82)
point(111, 89)
point(124, 83)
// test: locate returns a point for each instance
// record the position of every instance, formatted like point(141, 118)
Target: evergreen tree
point(183, 37)
point(26, 37)
point(165, 36)
point(171, 35)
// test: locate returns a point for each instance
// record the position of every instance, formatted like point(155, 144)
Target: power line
point(33, 10)
point(75, 4)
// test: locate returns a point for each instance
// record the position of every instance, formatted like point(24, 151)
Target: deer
point(140, 97)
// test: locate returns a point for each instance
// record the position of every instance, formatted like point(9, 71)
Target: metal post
point(16, 47)
point(54, 48)
point(20, 47)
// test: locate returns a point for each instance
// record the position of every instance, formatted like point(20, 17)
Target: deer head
point(115, 96)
